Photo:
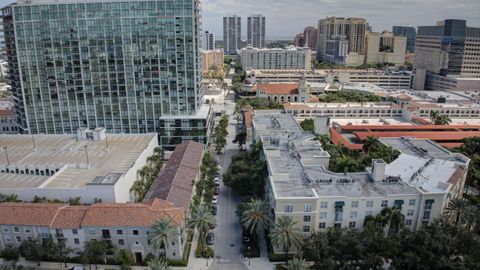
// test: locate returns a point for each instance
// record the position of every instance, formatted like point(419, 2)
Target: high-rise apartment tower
point(256, 31)
point(232, 31)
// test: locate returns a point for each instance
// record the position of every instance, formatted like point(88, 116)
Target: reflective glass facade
point(120, 65)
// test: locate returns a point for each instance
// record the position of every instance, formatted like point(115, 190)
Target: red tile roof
point(248, 110)
point(410, 127)
point(59, 215)
point(432, 135)
point(278, 88)
point(35, 214)
point(7, 113)
point(175, 182)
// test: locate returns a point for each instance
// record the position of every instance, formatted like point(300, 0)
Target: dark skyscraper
point(409, 32)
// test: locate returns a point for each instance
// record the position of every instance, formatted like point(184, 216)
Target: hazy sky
point(285, 18)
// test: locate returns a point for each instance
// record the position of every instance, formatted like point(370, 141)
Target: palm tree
point(163, 233)
point(145, 173)
point(286, 235)
point(369, 143)
point(394, 218)
point(158, 151)
point(255, 217)
point(472, 216)
point(155, 162)
point(158, 264)
point(138, 189)
point(202, 219)
point(457, 207)
point(296, 264)
point(438, 119)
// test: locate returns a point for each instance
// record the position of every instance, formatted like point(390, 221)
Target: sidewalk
point(263, 262)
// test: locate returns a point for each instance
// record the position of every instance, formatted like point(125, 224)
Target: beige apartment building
point(385, 48)
point(212, 62)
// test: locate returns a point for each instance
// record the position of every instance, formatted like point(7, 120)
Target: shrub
point(185, 257)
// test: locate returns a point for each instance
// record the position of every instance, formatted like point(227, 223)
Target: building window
point(288, 208)
point(323, 215)
point(352, 224)
point(7, 239)
point(15, 229)
point(27, 230)
point(19, 239)
point(76, 241)
point(74, 231)
point(384, 203)
point(354, 204)
point(408, 222)
point(119, 232)
point(369, 204)
point(368, 213)
point(353, 214)
point(29, 238)
point(135, 232)
point(425, 223)
point(5, 229)
point(306, 218)
point(321, 225)
point(337, 225)
point(411, 202)
point(91, 231)
point(121, 242)
point(410, 212)
point(323, 204)
point(306, 228)
point(426, 214)
point(307, 208)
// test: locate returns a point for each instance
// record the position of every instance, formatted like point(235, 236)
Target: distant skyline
point(286, 18)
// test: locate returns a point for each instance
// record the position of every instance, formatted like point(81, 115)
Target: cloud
point(285, 18)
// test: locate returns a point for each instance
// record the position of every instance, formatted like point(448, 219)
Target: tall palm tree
point(158, 264)
point(145, 173)
point(138, 189)
point(394, 218)
point(296, 264)
point(286, 235)
point(158, 151)
point(369, 143)
point(457, 207)
point(155, 162)
point(163, 233)
point(202, 219)
point(255, 217)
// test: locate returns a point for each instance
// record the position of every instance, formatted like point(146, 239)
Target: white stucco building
point(288, 58)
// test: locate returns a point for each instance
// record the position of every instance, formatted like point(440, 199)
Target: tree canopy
point(307, 125)
point(348, 96)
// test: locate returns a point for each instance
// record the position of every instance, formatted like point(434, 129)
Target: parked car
point(214, 200)
point(216, 191)
point(210, 238)
point(214, 210)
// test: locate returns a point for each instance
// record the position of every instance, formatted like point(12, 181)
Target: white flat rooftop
point(66, 153)
point(370, 121)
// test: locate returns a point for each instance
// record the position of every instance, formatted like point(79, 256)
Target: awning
point(430, 201)
point(398, 202)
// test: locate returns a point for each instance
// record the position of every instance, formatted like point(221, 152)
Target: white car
point(214, 200)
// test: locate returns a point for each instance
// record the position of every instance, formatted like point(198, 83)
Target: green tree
point(255, 217)
point(10, 254)
point(457, 208)
point(240, 138)
point(124, 258)
point(94, 251)
point(139, 190)
point(296, 264)
point(394, 218)
point(286, 235)
point(163, 232)
point(438, 119)
point(307, 125)
point(74, 200)
point(158, 264)
point(32, 251)
point(202, 219)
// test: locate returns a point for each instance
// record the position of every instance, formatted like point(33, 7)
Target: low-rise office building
point(420, 182)
point(288, 58)
point(92, 165)
point(122, 225)
point(7, 122)
point(385, 48)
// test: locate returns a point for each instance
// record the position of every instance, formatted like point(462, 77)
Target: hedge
point(185, 257)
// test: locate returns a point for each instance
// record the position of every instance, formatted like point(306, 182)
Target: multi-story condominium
point(337, 50)
point(406, 31)
point(354, 29)
point(122, 225)
point(299, 40)
point(288, 58)
point(130, 67)
point(310, 34)
point(256, 31)
point(208, 41)
point(420, 182)
point(385, 48)
point(8, 123)
point(232, 34)
point(450, 49)
point(91, 165)
point(212, 61)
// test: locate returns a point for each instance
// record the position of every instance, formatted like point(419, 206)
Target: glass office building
point(129, 66)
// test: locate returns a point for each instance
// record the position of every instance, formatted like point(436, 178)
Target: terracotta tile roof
point(278, 88)
point(175, 182)
point(7, 113)
point(313, 99)
point(131, 214)
point(69, 217)
point(431, 135)
point(411, 127)
point(248, 110)
point(403, 97)
point(35, 214)
point(456, 176)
